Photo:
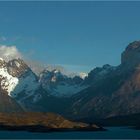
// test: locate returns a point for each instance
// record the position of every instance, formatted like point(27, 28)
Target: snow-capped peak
point(60, 85)
point(56, 71)
point(17, 79)
point(83, 75)
point(8, 82)
point(1, 59)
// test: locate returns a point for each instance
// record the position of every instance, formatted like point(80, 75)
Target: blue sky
point(77, 35)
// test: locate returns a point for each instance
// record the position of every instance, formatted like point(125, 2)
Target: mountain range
point(107, 91)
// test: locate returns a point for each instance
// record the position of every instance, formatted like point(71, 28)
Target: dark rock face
point(7, 104)
point(99, 73)
point(17, 67)
point(131, 56)
point(115, 94)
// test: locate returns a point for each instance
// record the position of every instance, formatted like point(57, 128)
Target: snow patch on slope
point(18, 80)
point(83, 75)
point(8, 82)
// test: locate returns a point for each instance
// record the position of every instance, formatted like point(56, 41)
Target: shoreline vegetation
point(43, 129)
point(42, 122)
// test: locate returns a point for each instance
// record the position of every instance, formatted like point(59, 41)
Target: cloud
point(9, 52)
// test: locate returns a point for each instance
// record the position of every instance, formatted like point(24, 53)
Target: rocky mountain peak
point(19, 81)
point(2, 63)
point(58, 84)
point(17, 67)
point(98, 73)
point(130, 58)
point(133, 45)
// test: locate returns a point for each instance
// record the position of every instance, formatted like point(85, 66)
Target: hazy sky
point(77, 35)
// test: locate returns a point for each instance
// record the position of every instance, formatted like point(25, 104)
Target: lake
point(112, 133)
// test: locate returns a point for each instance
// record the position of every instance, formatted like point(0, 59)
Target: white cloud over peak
point(9, 52)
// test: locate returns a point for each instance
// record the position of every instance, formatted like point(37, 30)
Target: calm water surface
point(112, 133)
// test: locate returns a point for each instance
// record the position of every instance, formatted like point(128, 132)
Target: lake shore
point(43, 129)
point(111, 133)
